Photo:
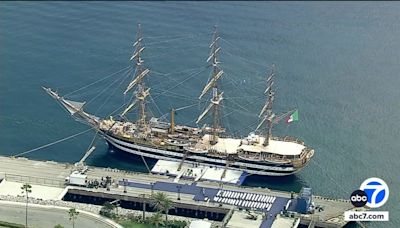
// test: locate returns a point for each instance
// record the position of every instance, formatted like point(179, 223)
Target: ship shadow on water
point(116, 158)
point(282, 183)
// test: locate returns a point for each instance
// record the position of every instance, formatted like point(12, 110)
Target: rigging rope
point(176, 95)
point(165, 41)
point(105, 89)
point(240, 106)
point(115, 90)
point(155, 104)
point(190, 77)
point(185, 107)
point(111, 113)
point(181, 108)
point(177, 72)
point(244, 97)
point(177, 51)
point(165, 91)
point(50, 144)
point(101, 79)
point(176, 36)
point(188, 36)
point(235, 46)
point(93, 140)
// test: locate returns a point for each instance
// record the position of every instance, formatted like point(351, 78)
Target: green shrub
point(176, 224)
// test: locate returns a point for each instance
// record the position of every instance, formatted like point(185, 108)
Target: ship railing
point(288, 139)
point(265, 158)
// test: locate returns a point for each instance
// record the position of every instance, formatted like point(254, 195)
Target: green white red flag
point(293, 117)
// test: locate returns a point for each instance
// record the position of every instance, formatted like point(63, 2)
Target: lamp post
point(144, 205)
point(179, 191)
point(124, 185)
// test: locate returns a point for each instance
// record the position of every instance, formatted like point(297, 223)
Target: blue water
point(337, 62)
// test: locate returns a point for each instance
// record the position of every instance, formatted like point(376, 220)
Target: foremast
point(216, 99)
point(142, 92)
point(266, 112)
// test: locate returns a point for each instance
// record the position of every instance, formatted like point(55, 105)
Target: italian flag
point(293, 117)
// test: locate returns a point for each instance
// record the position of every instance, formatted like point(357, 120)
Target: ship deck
point(231, 146)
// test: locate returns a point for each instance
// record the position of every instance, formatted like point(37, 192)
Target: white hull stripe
point(168, 155)
point(215, 160)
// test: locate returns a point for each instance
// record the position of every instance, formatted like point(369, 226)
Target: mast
point(213, 84)
point(172, 126)
point(267, 108)
point(142, 91)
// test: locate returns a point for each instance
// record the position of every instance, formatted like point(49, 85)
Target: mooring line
point(50, 144)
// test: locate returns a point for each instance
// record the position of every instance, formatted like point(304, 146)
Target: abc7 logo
point(359, 198)
point(373, 193)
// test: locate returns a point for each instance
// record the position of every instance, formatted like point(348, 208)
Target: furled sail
point(211, 83)
point(214, 42)
point(263, 110)
point(268, 88)
point(128, 108)
point(143, 94)
point(137, 42)
point(137, 53)
point(214, 53)
point(136, 80)
point(204, 113)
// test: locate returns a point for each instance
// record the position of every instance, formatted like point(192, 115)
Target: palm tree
point(26, 188)
point(168, 204)
point(107, 210)
point(162, 203)
point(73, 214)
point(156, 219)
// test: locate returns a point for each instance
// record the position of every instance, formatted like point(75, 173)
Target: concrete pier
point(200, 199)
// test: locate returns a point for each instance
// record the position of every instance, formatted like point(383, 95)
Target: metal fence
point(34, 180)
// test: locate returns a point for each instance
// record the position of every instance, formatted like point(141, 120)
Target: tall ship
point(259, 153)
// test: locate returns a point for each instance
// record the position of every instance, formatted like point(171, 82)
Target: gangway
point(178, 177)
point(80, 165)
point(183, 159)
point(87, 154)
point(226, 168)
point(201, 175)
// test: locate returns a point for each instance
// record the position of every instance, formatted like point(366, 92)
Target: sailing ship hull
point(267, 169)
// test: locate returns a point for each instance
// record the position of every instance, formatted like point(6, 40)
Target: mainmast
point(267, 109)
point(142, 91)
point(213, 83)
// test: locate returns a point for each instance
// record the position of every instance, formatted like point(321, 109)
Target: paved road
point(46, 218)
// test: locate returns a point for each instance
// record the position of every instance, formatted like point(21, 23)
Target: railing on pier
point(34, 180)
